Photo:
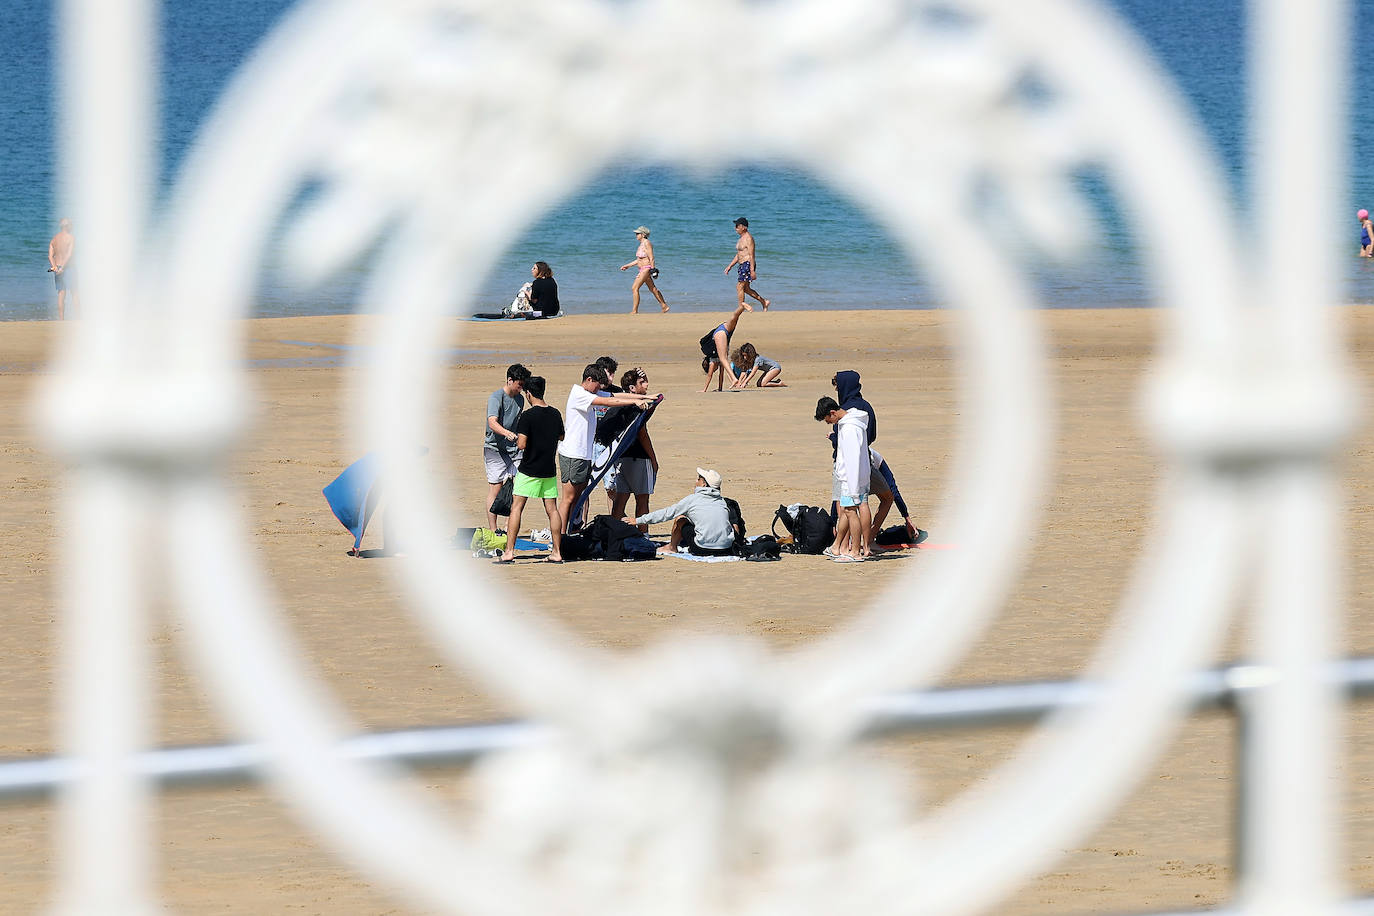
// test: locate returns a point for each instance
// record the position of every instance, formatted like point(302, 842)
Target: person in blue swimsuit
point(1366, 234)
point(715, 349)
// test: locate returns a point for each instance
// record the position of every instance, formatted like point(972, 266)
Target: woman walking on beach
point(644, 262)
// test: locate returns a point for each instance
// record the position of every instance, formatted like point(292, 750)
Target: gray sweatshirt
point(706, 509)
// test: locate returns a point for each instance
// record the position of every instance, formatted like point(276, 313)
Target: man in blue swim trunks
point(746, 264)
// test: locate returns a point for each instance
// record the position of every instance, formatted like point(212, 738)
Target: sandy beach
point(237, 850)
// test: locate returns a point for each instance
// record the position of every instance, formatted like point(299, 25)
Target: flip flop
point(846, 558)
point(830, 552)
point(558, 562)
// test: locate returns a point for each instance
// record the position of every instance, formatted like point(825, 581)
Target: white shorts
point(500, 465)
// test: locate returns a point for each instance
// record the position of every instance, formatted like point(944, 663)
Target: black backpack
point(736, 522)
point(812, 530)
point(763, 548)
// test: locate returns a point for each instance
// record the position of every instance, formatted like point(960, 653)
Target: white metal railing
point(1249, 406)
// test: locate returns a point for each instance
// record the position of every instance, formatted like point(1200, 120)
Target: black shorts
point(689, 539)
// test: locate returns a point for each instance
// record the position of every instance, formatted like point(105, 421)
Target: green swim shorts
point(535, 487)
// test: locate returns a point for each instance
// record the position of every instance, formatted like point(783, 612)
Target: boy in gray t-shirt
point(499, 453)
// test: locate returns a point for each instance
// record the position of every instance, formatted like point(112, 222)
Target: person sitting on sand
point(543, 295)
point(646, 273)
point(701, 520)
point(715, 345)
point(747, 359)
point(538, 432)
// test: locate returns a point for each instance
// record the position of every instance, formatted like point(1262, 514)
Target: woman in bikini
point(644, 262)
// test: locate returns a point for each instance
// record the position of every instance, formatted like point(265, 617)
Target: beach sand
point(237, 850)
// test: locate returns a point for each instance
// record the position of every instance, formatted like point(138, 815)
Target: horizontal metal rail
point(938, 709)
point(941, 709)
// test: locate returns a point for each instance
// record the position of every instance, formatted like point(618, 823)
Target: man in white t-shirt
point(579, 438)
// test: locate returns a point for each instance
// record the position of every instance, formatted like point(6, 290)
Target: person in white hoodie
point(852, 471)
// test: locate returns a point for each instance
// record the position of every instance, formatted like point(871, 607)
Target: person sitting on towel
point(701, 520)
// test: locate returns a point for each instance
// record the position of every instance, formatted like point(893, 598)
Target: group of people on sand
point(745, 264)
point(552, 456)
point(548, 455)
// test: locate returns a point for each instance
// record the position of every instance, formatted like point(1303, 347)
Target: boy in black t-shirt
point(539, 430)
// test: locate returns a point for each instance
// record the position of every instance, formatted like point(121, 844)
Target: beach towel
point(683, 555)
point(353, 495)
point(616, 452)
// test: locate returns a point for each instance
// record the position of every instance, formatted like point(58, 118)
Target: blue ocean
point(817, 250)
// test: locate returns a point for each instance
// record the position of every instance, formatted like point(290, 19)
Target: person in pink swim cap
point(1366, 234)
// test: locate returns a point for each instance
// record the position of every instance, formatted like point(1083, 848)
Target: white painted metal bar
point(106, 85)
point(1289, 831)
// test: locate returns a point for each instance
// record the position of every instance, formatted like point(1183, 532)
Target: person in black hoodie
point(850, 393)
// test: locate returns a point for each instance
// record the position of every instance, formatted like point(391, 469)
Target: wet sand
point(236, 850)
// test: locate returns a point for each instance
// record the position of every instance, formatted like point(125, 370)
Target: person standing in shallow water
point(1366, 234)
point(61, 250)
point(746, 264)
point(647, 271)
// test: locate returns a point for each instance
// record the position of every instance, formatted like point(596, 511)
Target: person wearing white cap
point(701, 520)
point(646, 271)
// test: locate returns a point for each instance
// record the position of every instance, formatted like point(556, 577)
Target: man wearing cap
point(746, 264)
point(701, 520)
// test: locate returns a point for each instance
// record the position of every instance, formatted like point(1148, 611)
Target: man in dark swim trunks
point(746, 264)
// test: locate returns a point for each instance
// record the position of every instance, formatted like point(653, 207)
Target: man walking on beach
point(579, 440)
point(60, 265)
point(746, 264)
point(499, 450)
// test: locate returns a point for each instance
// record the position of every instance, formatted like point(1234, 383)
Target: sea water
point(816, 249)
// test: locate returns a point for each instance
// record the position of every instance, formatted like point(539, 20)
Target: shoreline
point(677, 310)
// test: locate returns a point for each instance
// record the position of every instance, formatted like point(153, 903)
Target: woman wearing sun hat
point(647, 272)
point(1366, 234)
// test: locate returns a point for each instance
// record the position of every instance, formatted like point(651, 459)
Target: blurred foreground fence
point(712, 776)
